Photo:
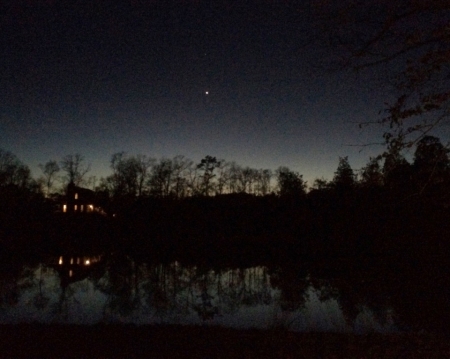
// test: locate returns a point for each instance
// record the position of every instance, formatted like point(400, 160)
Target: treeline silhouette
point(383, 229)
point(390, 207)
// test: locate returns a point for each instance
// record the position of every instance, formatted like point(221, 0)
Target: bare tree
point(263, 179)
point(92, 182)
point(13, 171)
point(234, 172)
point(49, 174)
point(143, 166)
point(248, 179)
point(181, 168)
point(160, 179)
point(193, 180)
point(409, 42)
point(75, 168)
point(222, 177)
point(130, 174)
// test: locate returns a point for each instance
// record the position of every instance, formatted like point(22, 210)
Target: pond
point(116, 289)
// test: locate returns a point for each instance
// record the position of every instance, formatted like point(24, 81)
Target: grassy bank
point(126, 341)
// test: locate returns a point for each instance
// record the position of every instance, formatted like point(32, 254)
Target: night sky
point(95, 78)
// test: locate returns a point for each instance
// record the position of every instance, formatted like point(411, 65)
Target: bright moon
point(206, 92)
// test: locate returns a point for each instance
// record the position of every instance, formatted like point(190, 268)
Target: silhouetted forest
point(178, 206)
point(384, 228)
point(176, 198)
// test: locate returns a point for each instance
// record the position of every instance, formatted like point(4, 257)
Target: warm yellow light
point(76, 195)
point(71, 260)
point(65, 208)
point(60, 260)
point(70, 273)
point(87, 262)
point(75, 207)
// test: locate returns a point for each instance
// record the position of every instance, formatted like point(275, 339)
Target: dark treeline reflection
point(117, 288)
point(114, 287)
point(377, 239)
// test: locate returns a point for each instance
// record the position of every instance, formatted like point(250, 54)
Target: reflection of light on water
point(80, 260)
point(241, 298)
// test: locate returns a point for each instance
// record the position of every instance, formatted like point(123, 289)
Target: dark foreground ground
point(123, 341)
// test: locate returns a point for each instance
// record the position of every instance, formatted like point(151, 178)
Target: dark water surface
point(116, 289)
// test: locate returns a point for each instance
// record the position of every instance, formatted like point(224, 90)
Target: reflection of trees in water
point(39, 284)
point(68, 307)
point(120, 284)
point(293, 286)
point(10, 287)
point(35, 280)
point(237, 287)
point(203, 293)
point(65, 300)
point(329, 289)
point(172, 290)
point(41, 300)
point(354, 296)
point(220, 292)
point(167, 288)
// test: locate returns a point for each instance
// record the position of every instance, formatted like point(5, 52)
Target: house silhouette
point(79, 200)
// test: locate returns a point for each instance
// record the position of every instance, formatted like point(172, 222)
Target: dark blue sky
point(97, 79)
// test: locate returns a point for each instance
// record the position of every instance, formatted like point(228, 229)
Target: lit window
point(82, 208)
point(76, 195)
point(91, 208)
point(71, 260)
point(65, 208)
point(60, 260)
point(87, 262)
point(75, 207)
point(70, 273)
